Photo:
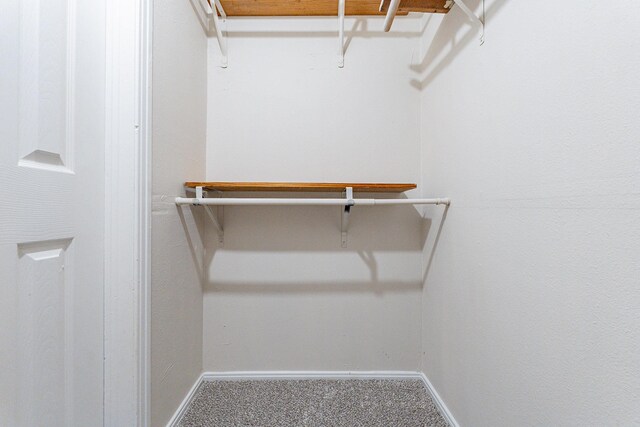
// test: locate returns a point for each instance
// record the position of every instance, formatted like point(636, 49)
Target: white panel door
point(52, 109)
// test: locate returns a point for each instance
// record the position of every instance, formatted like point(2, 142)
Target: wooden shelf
point(324, 7)
point(302, 186)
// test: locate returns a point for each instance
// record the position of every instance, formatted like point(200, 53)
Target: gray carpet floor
point(316, 402)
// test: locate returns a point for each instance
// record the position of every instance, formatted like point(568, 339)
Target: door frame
point(127, 263)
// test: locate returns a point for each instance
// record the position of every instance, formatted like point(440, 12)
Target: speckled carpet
point(316, 402)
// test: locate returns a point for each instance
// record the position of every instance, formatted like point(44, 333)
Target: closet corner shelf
point(345, 203)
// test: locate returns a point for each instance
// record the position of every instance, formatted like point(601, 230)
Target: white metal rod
point(308, 202)
point(440, 201)
point(391, 13)
point(220, 9)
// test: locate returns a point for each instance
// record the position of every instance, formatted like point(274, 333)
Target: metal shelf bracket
point(472, 16)
point(346, 211)
point(221, 31)
point(220, 24)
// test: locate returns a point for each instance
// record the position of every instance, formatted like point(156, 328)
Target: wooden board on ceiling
point(318, 7)
point(303, 186)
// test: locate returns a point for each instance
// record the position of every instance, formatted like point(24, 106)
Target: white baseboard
point(301, 375)
point(177, 416)
point(448, 416)
point(266, 375)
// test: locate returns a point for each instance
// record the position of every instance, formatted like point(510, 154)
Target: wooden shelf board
point(323, 7)
point(303, 186)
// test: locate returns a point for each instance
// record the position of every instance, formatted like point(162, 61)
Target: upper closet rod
point(314, 202)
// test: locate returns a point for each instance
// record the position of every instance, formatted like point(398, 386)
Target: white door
point(52, 109)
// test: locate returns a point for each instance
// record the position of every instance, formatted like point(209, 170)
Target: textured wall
point(179, 127)
point(531, 301)
point(282, 294)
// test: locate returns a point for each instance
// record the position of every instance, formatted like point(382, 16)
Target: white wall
point(282, 294)
point(530, 306)
point(179, 127)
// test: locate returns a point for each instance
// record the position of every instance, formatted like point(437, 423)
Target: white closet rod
point(391, 13)
point(311, 202)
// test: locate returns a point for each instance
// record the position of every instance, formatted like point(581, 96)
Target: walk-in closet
point(316, 213)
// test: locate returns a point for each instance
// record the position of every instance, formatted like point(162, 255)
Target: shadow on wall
point(432, 245)
point(201, 18)
point(443, 49)
point(196, 226)
point(297, 249)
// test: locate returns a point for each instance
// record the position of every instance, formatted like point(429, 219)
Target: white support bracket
point(221, 33)
point(472, 16)
point(346, 210)
point(391, 13)
point(341, 7)
point(199, 194)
